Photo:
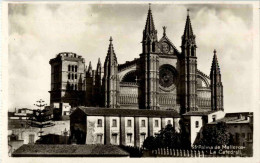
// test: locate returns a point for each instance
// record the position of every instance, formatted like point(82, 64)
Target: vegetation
point(168, 137)
point(133, 151)
point(39, 119)
point(214, 135)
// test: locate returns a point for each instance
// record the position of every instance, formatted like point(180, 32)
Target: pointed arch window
point(153, 47)
point(76, 68)
point(69, 68)
point(72, 67)
point(193, 51)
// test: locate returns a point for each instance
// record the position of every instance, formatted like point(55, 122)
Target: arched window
point(69, 68)
point(153, 47)
point(76, 76)
point(193, 51)
point(72, 76)
point(130, 77)
point(75, 86)
point(76, 68)
point(68, 76)
point(72, 67)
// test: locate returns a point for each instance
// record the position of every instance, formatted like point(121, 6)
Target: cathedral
point(162, 78)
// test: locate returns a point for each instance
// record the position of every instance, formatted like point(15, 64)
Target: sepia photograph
point(131, 79)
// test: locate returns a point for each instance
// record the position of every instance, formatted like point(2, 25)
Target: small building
point(119, 126)
point(13, 143)
point(194, 122)
point(240, 125)
point(20, 114)
point(41, 150)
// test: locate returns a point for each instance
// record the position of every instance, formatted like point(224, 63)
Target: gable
point(166, 47)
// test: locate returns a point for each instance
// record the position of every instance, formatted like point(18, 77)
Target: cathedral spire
point(149, 26)
point(216, 85)
point(99, 63)
point(215, 66)
point(98, 71)
point(111, 79)
point(149, 34)
point(188, 72)
point(90, 67)
point(188, 36)
point(111, 53)
point(188, 28)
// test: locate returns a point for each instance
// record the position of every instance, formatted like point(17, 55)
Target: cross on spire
point(110, 39)
point(188, 10)
point(215, 51)
point(164, 30)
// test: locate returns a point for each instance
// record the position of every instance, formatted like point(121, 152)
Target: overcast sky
point(37, 32)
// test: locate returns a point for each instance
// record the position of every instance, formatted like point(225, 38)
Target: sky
point(38, 32)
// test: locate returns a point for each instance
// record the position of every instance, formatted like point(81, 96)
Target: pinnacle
point(90, 67)
point(111, 54)
point(215, 65)
point(188, 28)
point(149, 27)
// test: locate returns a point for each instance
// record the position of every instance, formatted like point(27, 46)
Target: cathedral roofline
point(127, 64)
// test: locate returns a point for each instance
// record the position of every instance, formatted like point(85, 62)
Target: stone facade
point(162, 78)
point(67, 79)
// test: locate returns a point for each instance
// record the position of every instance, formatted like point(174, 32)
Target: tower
point(188, 69)
point(111, 79)
point(149, 66)
point(216, 85)
point(89, 86)
point(67, 73)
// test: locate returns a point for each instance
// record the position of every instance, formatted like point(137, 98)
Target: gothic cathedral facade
point(162, 78)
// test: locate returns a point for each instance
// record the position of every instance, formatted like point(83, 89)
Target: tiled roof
point(198, 113)
point(233, 118)
point(128, 112)
point(69, 151)
point(238, 113)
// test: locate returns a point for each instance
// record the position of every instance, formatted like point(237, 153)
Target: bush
point(167, 137)
point(133, 151)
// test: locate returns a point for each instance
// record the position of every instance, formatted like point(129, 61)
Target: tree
point(39, 119)
point(167, 137)
point(214, 135)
